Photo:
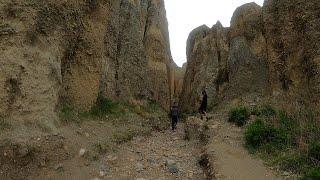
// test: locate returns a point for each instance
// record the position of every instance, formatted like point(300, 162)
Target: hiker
point(174, 116)
point(203, 106)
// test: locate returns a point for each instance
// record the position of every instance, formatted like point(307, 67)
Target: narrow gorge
point(86, 88)
point(268, 53)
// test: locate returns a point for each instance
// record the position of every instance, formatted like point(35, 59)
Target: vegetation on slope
point(288, 141)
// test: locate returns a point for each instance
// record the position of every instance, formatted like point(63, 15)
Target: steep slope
point(70, 52)
point(268, 52)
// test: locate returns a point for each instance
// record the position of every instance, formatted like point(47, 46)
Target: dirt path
point(231, 159)
point(164, 155)
point(167, 155)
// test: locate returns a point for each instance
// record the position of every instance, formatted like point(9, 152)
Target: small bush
point(260, 134)
point(141, 112)
point(268, 111)
point(314, 151)
point(105, 106)
point(102, 148)
point(264, 111)
point(313, 174)
point(295, 163)
point(124, 136)
point(67, 114)
point(92, 4)
point(287, 123)
point(239, 116)
point(3, 123)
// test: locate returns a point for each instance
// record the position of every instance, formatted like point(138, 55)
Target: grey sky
point(185, 15)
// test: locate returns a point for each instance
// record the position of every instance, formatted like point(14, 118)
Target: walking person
point(204, 103)
point(174, 116)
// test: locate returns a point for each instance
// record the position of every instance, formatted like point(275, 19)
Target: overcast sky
point(186, 15)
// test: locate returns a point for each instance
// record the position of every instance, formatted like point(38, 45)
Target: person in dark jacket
point(203, 106)
point(174, 116)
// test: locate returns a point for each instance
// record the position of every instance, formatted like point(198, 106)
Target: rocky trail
point(167, 155)
point(164, 155)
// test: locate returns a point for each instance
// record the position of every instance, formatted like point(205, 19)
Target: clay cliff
point(268, 52)
point(70, 52)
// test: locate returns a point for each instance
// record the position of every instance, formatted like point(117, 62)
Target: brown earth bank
point(79, 149)
point(72, 52)
point(269, 54)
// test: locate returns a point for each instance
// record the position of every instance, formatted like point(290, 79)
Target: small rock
point(87, 134)
point(139, 167)
point(102, 173)
point(173, 170)
point(58, 167)
point(82, 152)
point(286, 173)
point(152, 161)
point(103, 170)
point(23, 152)
point(171, 164)
point(42, 164)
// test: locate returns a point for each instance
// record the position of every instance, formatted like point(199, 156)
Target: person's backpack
point(174, 111)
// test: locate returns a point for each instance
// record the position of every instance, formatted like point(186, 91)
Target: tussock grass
point(289, 141)
point(239, 116)
point(3, 123)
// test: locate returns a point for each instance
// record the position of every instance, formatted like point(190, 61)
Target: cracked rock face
point(69, 52)
point(269, 51)
point(293, 34)
point(207, 50)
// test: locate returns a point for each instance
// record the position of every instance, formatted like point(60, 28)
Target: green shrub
point(313, 174)
point(260, 134)
point(268, 111)
point(67, 114)
point(105, 106)
point(3, 123)
point(314, 151)
point(264, 111)
point(311, 131)
point(296, 163)
point(239, 116)
point(287, 123)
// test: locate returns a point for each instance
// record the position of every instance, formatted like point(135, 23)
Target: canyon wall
point(269, 52)
point(178, 78)
point(70, 52)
